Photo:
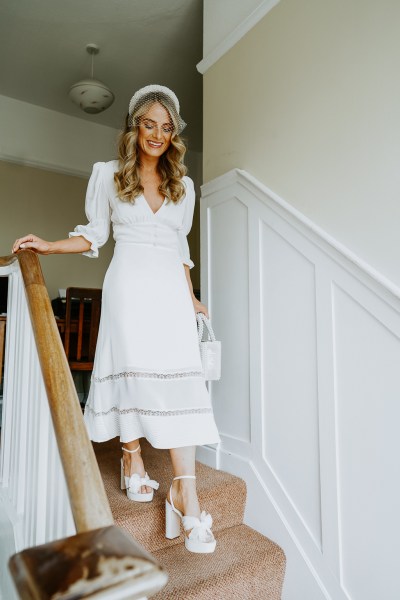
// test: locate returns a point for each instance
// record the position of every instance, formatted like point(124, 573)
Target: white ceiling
point(42, 50)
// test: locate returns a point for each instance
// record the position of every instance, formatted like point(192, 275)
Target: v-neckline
point(149, 207)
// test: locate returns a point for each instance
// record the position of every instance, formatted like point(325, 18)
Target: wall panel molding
point(322, 332)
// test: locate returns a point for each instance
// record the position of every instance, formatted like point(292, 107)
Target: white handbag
point(210, 350)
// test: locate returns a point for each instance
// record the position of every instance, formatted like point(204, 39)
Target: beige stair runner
point(245, 564)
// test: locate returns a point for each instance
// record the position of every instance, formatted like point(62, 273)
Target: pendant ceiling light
point(91, 95)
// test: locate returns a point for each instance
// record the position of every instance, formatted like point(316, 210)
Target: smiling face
point(155, 131)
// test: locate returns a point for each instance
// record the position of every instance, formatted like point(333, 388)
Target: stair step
point(245, 565)
point(221, 494)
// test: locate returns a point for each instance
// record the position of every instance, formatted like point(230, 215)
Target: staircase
point(245, 564)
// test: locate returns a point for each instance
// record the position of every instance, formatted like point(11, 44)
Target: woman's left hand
point(199, 307)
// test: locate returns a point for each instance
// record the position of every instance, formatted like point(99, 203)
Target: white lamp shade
point(91, 95)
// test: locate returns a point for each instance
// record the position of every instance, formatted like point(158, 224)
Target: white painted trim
point(254, 185)
point(44, 165)
point(233, 38)
point(208, 455)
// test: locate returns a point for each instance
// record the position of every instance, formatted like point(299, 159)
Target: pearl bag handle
point(201, 321)
point(210, 350)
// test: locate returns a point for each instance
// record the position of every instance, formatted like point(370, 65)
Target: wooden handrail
point(134, 572)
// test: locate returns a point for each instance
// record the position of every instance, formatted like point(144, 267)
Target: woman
point(147, 377)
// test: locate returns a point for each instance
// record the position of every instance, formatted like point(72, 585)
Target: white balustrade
point(308, 405)
point(34, 503)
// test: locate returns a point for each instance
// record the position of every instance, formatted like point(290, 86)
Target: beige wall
point(50, 205)
point(309, 103)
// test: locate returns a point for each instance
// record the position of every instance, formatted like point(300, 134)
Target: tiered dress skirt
point(147, 379)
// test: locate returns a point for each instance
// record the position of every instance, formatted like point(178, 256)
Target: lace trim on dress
point(146, 375)
point(150, 413)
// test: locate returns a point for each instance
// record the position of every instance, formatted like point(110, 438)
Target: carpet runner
point(245, 565)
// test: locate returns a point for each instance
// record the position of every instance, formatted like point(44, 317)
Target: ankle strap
point(170, 489)
point(131, 451)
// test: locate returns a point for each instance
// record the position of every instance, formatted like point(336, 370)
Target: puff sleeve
point(187, 222)
point(97, 210)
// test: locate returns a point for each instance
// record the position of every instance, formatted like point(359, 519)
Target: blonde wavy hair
point(170, 165)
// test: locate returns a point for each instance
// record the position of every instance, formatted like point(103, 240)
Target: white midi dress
point(147, 378)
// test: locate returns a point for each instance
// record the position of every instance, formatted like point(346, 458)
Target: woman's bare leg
point(184, 493)
point(133, 463)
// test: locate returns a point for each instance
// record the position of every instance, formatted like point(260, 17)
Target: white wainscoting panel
point(230, 263)
point(308, 403)
point(368, 416)
point(289, 375)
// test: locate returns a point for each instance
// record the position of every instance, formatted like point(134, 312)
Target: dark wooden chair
point(82, 317)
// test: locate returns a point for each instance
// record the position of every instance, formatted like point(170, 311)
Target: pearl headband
point(157, 93)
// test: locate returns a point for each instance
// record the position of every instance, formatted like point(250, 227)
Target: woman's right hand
point(33, 243)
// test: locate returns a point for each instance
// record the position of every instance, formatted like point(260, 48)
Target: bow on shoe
point(136, 482)
point(201, 528)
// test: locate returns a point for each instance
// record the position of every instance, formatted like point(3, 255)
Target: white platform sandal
point(133, 483)
point(200, 539)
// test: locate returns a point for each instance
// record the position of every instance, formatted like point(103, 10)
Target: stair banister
point(98, 539)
